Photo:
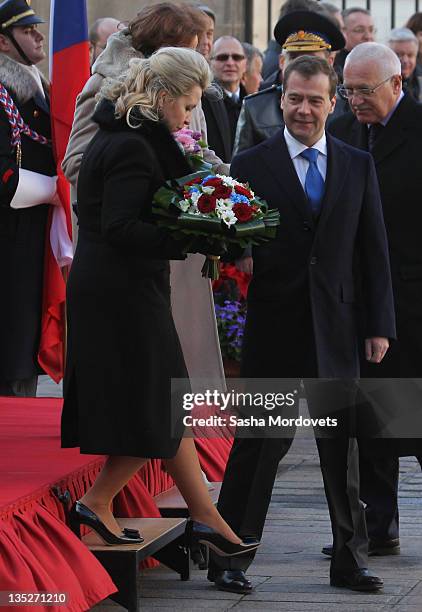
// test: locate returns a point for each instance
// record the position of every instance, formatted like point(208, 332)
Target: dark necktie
point(314, 183)
point(373, 133)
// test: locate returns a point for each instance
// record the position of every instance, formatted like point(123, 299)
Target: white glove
point(34, 189)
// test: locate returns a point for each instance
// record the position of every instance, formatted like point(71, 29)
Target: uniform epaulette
point(264, 91)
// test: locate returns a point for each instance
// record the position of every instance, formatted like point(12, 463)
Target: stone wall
point(230, 14)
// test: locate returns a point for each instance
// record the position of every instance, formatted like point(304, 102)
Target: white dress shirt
point(301, 164)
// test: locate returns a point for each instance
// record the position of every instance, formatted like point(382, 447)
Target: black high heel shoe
point(82, 515)
point(198, 533)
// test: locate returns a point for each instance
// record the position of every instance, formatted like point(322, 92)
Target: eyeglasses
point(223, 57)
point(362, 30)
point(363, 92)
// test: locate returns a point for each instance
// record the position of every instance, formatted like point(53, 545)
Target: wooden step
point(163, 539)
point(171, 503)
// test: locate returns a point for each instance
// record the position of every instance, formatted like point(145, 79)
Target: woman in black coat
point(123, 349)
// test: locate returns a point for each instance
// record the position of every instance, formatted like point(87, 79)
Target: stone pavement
point(289, 573)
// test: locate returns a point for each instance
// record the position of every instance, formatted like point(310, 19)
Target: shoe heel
point(196, 555)
point(75, 526)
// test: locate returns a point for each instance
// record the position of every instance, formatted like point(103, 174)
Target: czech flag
point(69, 71)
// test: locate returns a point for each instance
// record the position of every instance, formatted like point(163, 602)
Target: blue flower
point(239, 199)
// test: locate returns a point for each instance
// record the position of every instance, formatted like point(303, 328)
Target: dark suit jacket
point(218, 126)
point(221, 116)
point(398, 163)
point(301, 300)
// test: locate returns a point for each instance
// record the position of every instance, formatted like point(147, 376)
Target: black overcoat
point(22, 240)
point(398, 164)
point(302, 298)
point(123, 348)
point(396, 407)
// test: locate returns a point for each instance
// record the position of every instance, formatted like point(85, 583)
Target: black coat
point(123, 348)
point(221, 116)
point(395, 405)
point(218, 126)
point(339, 62)
point(413, 85)
point(398, 163)
point(301, 303)
point(22, 243)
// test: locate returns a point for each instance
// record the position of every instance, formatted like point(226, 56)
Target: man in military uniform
point(298, 33)
point(27, 185)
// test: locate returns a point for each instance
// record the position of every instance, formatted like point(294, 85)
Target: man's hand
point(244, 264)
point(375, 349)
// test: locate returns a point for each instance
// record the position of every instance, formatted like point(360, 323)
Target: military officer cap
point(17, 13)
point(302, 31)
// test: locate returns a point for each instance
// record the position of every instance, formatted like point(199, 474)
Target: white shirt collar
point(295, 147)
point(234, 94)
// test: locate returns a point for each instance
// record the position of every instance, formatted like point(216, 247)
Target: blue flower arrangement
point(231, 316)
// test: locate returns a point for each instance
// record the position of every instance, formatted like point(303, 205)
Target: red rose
point(206, 203)
point(194, 181)
point(243, 212)
point(213, 182)
point(243, 191)
point(222, 192)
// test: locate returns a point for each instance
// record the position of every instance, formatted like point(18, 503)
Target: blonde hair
point(175, 70)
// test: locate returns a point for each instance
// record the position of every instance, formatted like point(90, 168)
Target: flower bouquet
point(193, 147)
point(217, 208)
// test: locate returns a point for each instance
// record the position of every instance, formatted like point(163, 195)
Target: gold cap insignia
point(305, 41)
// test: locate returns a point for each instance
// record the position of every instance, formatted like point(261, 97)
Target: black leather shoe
point(234, 581)
point(82, 515)
point(198, 533)
point(376, 548)
point(357, 580)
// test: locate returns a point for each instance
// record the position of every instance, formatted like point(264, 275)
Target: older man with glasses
point(358, 28)
point(388, 122)
point(228, 63)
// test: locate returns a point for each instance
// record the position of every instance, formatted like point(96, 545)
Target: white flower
point(184, 205)
point(194, 196)
point(208, 190)
point(229, 181)
point(229, 218)
point(194, 211)
point(224, 204)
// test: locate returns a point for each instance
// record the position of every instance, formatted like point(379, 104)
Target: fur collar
point(114, 60)
point(18, 80)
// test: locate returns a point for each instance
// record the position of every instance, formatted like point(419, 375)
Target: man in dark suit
point(373, 83)
point(303, 292)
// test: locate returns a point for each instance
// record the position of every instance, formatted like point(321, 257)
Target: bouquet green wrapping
point(217, 208)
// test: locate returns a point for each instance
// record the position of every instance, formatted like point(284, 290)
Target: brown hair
point(165, 25)
point(415, 23)
point(174, 70)
point(308, 66)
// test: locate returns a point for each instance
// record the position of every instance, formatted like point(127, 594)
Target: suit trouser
point(248, 483)
point(379, 481)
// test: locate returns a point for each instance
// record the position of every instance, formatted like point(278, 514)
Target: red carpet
point(37, 551)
